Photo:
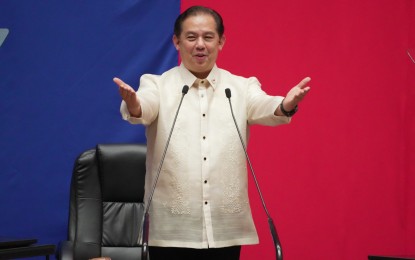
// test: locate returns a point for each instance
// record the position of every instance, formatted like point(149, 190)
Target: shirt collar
point(189, 78)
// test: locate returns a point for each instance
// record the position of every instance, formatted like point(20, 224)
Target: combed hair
point(195, 10)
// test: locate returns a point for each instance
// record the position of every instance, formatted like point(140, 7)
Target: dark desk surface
point(29, 251)
point(374, 257)
point(11, 242)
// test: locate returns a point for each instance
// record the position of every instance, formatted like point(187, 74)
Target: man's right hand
point(130, 97)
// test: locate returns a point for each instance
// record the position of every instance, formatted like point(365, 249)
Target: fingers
point(297, 93)
point(121, 84)
point(304, 83)
point(118, 81)
point(126, 92)
point(302, 88)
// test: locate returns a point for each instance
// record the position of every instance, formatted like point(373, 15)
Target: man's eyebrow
point(204, 33)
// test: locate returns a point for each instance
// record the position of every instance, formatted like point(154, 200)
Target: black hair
point(195, 10)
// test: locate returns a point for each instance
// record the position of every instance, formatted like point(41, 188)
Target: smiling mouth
point(200, 57)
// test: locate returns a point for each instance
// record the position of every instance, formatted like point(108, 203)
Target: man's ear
point(222, 41)
point(176, 42)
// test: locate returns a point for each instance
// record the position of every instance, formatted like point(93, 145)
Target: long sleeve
point(149, 101)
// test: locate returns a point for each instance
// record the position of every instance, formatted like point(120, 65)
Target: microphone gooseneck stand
point(146, 222)
point(272, 228)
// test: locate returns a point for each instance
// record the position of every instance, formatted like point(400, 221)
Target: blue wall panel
point(58, 99)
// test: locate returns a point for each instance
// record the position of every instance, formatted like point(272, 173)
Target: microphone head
point(185, 89)
point(228, 93)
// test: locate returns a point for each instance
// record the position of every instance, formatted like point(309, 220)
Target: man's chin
point(200, 73)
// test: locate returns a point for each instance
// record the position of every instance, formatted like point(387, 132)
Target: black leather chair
point(106, 204)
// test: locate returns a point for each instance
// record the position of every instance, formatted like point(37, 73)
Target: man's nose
point(200, 43)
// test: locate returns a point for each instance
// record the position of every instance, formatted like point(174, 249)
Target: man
point(200, 208)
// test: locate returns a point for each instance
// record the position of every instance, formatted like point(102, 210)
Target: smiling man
point(199, 41)
point(200, 208)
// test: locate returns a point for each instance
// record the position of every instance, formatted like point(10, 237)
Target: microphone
point(228, 95)
point(272, 228)
point(146, 222)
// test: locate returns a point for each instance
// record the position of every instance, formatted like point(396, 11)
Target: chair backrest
point(106, 202)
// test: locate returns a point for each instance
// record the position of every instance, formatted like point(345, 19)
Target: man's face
point(199, 44)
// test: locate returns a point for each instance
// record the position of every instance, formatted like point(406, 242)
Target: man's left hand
point(296, 94)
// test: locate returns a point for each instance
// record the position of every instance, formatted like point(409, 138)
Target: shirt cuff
point(127, 116)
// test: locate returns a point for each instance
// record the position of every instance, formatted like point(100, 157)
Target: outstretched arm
point(294, 96)
point(130, 97)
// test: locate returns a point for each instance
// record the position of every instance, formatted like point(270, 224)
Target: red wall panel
point(339, 181)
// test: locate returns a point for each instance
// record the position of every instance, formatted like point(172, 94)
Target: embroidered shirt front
point(201, 198)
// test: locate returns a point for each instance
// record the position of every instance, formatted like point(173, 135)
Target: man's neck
point(200, 75)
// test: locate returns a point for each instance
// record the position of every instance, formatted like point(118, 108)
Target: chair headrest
point(122, 171)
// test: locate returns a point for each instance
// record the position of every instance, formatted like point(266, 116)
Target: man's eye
point(191, 38)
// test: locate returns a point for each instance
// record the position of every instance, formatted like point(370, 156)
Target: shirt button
point(205, 181)
point(206, 202)
point(204, 158)
point(204, 137)
point(204, 114)
point(202, 95)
